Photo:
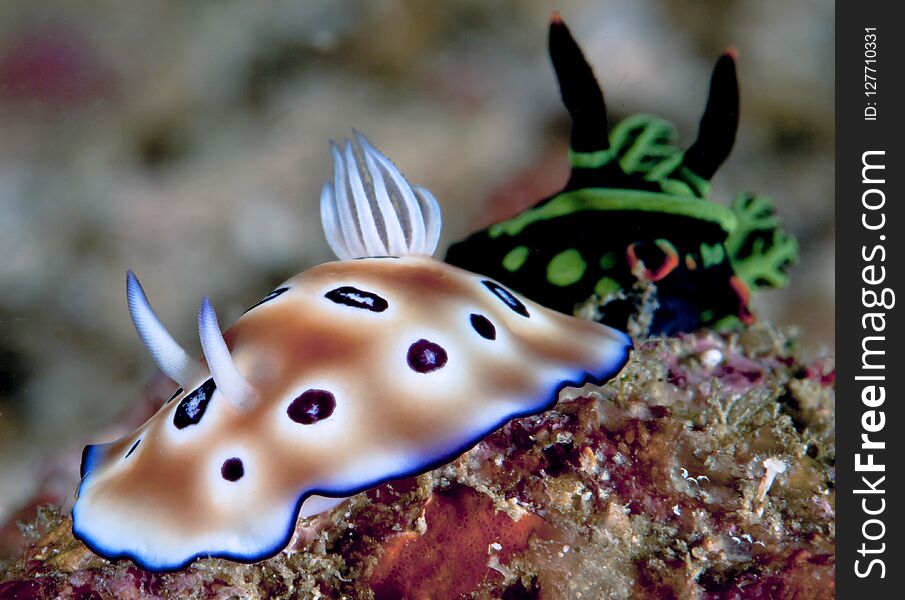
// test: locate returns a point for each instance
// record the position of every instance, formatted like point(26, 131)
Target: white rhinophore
point(230, 382)
point(172, 359)
point(371, 210)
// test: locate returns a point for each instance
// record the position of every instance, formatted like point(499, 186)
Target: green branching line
point(765, 267)
point(753, 214)
point(768, 250)
point(666, 166)
point(642, 142)
point(646, 145)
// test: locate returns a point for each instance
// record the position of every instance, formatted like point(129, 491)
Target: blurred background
point(188, 142)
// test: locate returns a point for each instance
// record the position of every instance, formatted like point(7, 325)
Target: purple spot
point(132, 449)
point(311, 406)
point(269, 297)
point(192, 407)
point(483, 326)
point(425, 356)
point(357, 298)
point(506, 296)
point(232, 469)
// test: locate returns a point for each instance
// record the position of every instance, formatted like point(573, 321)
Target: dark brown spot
point(232, 469)
point(506, 296)
point(357, 298)
point(424, 356)
point(483, 326)
point(192, 407)
point(311, 406)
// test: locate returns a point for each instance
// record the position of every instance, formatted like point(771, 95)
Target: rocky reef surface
point(187, 141)
point(705, 470)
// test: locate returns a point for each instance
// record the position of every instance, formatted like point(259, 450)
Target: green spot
point(707, 316)
point(608, 261)
point(712, 255)
point(566, 268)
point(729, 323)
point(516, 257)
point(606, 286)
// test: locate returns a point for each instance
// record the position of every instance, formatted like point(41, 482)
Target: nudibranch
point(634, 213)
point(384, 364)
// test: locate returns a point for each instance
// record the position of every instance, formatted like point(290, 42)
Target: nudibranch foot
point(348, 375)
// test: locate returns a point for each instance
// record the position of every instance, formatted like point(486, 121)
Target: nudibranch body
point(379, 366)
point(635, 209)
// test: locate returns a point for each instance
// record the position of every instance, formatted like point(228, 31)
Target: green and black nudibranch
point(634, 214)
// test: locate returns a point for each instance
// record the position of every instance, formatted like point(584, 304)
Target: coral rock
point(704, 471)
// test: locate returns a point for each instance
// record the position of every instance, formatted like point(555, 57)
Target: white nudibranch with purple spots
point(380, 366)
